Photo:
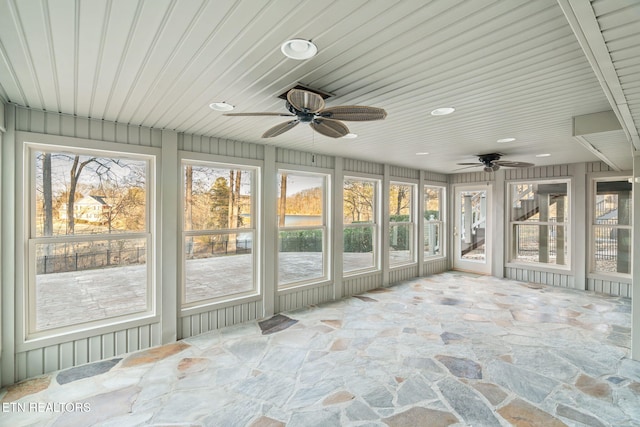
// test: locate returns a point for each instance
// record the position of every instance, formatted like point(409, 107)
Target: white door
point(472, 228)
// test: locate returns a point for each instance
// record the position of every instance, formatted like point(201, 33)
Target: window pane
point(540, 243)
point(400, 202)
point(216, 198)
point(78, 282)
point(300, 199)
point(358, 205)
point(539, 202)
point(83, 194)
point(432, 203)
point(400, 236)
point(300, 256)
point(218, 265)
point(612, 250)
point(358, 251)
point(432, 235)
point(613, 203)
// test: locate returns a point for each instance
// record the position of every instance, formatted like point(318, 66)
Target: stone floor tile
point(419, 416)
point(85, 371)
point(26, 387)
point(521, 414)
point(154, 354)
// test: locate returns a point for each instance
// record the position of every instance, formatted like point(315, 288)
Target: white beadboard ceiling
point(510, 68)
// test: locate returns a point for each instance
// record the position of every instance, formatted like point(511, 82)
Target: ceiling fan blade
point(330, 128)
point(509, 164)
point(280, 129)
point(258, 114)
point(305, 101)
point(469, 164)
point(355, 113)
point(467, 167)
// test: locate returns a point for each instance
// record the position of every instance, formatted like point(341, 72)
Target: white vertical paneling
point(353, 165)
point(35, 363)
point(435, 267)
point(77, 127)
point(51, 358)
point(292, 300)
point(403, 273)
point(95, 349)
point(21, 366)
point(473, 177)
point(80, 351)
point(66, 355)
point(609, 287)
point(108, 345)
point(402, 172)
point(300, 158)
point(359, 284)
point(220, 147)
point(435, 177)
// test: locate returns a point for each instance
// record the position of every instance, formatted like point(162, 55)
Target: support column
point(635, 292)
point(578, 222)
point(337, 227)
point(384, 227)
point(498, 231)
point(420, 225)
point(168, 189)
point(8, 232)
point(269, 231)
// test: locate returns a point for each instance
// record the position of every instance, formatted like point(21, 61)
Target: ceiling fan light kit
point(299, 49)
point(309, 107)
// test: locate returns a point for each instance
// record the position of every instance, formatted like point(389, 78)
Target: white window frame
point(256, 221)
point(591, 272)
point(411, 223)
point(441, 221)
point(51, 143)
point(567, 224)
point(375, 224)
point(326, 229)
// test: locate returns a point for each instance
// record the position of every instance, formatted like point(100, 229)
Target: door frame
point(478, 267)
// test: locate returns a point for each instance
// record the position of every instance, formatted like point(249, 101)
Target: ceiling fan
point(308, 107)
point(491, 163)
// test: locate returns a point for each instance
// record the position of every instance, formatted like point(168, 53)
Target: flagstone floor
point(450, 349)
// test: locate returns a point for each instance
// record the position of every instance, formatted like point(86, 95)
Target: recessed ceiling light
point(298, 49)
point(350, 135)
point(424, 153)
point(506, 140)
point(221, 106)
point(443, 111)
point(543, 155)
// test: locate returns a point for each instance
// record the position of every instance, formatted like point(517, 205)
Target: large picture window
point(360, 225)
point(611, 226)
point(433, 217)
point(401, 223)
point(219, 232)
point(302, 228)
point(539, 215)
point(90, 237)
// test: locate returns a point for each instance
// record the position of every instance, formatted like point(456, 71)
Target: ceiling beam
point(584, 24)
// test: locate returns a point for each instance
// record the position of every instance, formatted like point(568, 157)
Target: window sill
point(204, 306)
point(295, 287)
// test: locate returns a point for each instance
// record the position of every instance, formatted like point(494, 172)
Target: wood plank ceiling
point(510, 68)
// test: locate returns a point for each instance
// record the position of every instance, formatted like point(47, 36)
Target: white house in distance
point(90, 209)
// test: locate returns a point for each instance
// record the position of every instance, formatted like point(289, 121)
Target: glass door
point(472, 229)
